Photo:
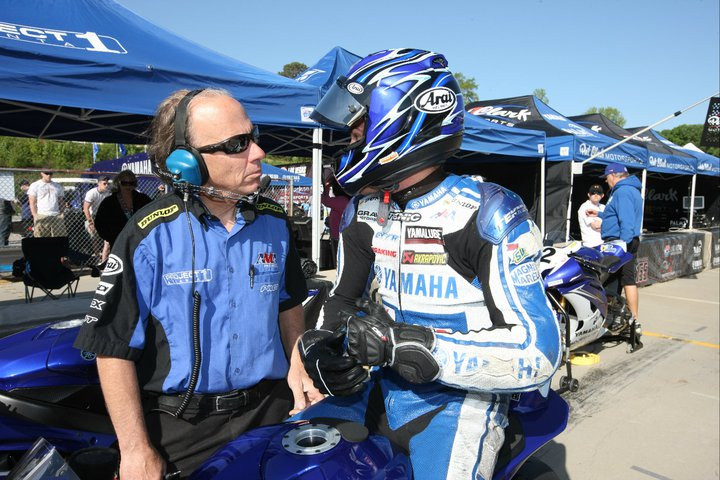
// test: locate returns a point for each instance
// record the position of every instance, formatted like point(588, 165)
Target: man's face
point(102, 186)
point(595, 197)
point(215, 119)
point(611, 180)
point(24, 188)
point(46, 176)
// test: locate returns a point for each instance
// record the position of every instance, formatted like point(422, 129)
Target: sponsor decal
point(527, 368)
point(114, 266)
point(525, 274)
point(384, 251)
point(270, 206)
point(181, 278)
point(405, 216)
point(411, 257)
point(163, 212)
point(97, 304)
point(386, 236)
point(508, 217)
point(517, 114)
point(267, 258)
point(103, 288)
point(355, 88)
point(670, 196)
point(424, 235)
point(436, 100)
point(90, 319)
point(519, 255)
point(697, 249)
point(431, 286)
point(366, 215)
point(309, 74)
point(428, 199)
point(697, 265)
point(269, 288)
point(89, 356)
point(448, 214)
point(388, 158)
point(53, 37)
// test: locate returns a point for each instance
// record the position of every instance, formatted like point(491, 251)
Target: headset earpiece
point(185, 163)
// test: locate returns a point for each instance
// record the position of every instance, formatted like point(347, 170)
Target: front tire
point(535, 469)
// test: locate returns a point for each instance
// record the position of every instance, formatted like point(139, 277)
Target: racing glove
point(376, 339)
point(331, 372)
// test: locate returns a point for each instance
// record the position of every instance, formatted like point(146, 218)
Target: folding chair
point(44, 268)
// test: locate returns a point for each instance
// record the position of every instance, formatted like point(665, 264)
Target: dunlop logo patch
point(163, 212)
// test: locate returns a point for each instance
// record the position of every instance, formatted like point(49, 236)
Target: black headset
point(185, 163)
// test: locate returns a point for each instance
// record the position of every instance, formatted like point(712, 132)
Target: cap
point(104, 178)
point(614, 168)
point(596, 189)
point(24, 182)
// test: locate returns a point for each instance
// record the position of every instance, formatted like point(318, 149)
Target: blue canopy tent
point(566, 141)
point(93, 70)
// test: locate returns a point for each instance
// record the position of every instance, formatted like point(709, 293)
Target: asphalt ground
point(651, 414)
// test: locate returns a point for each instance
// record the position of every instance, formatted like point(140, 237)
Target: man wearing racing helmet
point(464, 321)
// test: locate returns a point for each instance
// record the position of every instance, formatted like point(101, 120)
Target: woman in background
point(116, 210)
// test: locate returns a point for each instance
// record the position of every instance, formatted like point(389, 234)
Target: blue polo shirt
point(142, 309)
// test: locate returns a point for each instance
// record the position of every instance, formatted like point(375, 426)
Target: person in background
point(115, 210)
point(91, 203)
point(46, 205)
point(464, 320)
point(336, 200)
point(621, 221)
point(212, 264)
point(26, 218)
point(590, 224)
point(6, 213)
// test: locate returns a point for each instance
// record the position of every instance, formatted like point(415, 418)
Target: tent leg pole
point(642, 195)
point(542, 197)
point(692, 201)
point(317, 186)
point(569, 215)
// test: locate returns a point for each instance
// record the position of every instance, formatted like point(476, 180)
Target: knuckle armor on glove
point(375, 339)
point(331, 371)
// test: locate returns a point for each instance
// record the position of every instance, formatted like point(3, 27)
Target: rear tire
point(535, 469)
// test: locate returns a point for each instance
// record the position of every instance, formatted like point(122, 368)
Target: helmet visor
point(338, 107)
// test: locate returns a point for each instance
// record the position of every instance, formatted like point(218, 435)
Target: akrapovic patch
point(436, 100)
point(163, 212)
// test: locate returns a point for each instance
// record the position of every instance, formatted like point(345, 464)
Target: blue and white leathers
point(461, 259)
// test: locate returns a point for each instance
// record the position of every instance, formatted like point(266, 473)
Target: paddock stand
point(567, 382)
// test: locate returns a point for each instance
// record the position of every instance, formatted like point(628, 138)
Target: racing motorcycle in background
point(574, 277)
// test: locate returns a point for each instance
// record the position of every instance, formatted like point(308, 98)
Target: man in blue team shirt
point(621, 220)
point(178, 384)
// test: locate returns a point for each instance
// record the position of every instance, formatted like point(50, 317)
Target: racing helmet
point(413, 112)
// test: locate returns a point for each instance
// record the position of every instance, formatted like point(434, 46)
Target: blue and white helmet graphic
point(413, 112)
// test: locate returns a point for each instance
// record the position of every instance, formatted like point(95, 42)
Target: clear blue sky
point(648, 58)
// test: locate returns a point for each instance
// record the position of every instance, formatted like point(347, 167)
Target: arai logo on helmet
point(436, 100)
point(355, 88)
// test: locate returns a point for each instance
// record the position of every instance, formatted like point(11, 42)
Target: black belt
point(220, 402)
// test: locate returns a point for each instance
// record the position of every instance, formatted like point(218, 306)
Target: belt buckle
point(241, 398)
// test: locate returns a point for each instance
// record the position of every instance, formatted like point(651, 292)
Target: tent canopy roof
point(73, 68)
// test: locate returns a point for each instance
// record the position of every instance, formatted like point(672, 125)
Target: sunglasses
point(235, 144)
point(596, 193)
point(128, 184)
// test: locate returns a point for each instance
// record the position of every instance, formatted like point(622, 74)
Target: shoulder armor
point(349, 213)
point(500, 211)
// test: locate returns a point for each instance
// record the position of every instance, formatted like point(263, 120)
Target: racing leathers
point(462, 261)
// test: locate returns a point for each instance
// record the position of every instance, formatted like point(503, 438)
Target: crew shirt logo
point(411, 257)
point(424, 235)
point(90, 319)
point(269, 288)
point(114, 265)
point(267, 258)
point(270, 206)
point(97, 304)
point(181, 278)
point(160, 213)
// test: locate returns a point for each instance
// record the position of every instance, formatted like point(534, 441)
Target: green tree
point(293, 69)
point(541, 95)
point(683, 134)
point(610, 112)
point(467, 87)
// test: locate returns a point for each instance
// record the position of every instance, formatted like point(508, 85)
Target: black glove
point(376, 339)
point(331, 371)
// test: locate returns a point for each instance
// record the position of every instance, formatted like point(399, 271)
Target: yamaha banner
point(711, 129)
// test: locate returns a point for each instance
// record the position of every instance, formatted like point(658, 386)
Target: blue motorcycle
point(51, 390)
point(575, 278)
